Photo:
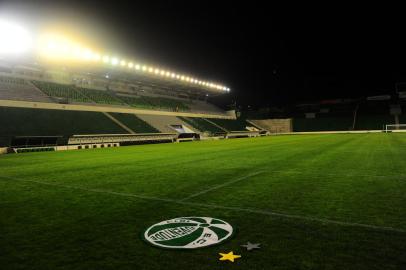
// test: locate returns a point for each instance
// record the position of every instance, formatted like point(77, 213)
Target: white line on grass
point(215, 206)
point(222, 185)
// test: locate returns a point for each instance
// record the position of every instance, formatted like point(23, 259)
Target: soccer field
point(334, 201)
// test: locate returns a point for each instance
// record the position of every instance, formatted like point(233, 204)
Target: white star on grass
point(250, 246)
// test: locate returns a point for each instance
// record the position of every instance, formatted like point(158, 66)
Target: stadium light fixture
point(114, 61)
point(15, 40)
point(87, 54)
point(58, 46)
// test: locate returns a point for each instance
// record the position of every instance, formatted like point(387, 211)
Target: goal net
point(395, 128)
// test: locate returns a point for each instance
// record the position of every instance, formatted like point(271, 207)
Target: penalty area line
point(215, 206)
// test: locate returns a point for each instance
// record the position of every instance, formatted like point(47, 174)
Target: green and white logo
point(188, 232)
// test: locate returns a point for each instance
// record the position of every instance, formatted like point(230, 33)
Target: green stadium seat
point(41, 122)
point(322, 124)
point(134, 123)
point(100, 96)
point(156, 103)
point(232, 125)
point(61, 91)
point(202, 125)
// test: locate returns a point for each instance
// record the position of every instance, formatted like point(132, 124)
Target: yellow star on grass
point(229, 256)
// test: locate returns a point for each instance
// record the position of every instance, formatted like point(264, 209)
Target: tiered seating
point(39, 122)
point(138, 102)
point(373, 115)
point(202, 125)
point(12, 80)
point(19, 89)
point(61, 91)
point(322, 124)
point(163, 123)
point(232, 125)
point(134, 123)
point(156, 103)
point(328, 117)
point(100, 96)
point(374, 121)
point(204, 107)
point(168, 103)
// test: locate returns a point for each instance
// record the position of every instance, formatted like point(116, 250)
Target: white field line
point(215, 206)
point(222, 185)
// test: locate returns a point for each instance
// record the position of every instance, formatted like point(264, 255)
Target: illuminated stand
point(54, 47)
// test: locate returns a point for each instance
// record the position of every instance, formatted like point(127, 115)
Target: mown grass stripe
point(214, 206)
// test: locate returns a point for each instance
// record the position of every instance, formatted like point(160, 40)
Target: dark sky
point(267, 54)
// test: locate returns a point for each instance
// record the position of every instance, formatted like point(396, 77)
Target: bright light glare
point(62, 48)
point(14, 39)
point(114, 61)
point(106, 59)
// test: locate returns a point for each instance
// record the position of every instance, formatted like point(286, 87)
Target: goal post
point(395, 128)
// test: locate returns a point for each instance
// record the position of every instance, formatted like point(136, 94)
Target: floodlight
point(96, 57)
point(106, 59)
point(87, 54)
point(14, 39)
point(57, 46)
point(114, 61)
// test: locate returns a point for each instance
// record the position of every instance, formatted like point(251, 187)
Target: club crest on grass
point(188, 232)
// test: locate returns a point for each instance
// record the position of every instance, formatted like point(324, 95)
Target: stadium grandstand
point(67, 96)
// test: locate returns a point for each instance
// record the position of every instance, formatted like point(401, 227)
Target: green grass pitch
point(312, 201)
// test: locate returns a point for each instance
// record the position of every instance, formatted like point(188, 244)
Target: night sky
point(267, 54)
